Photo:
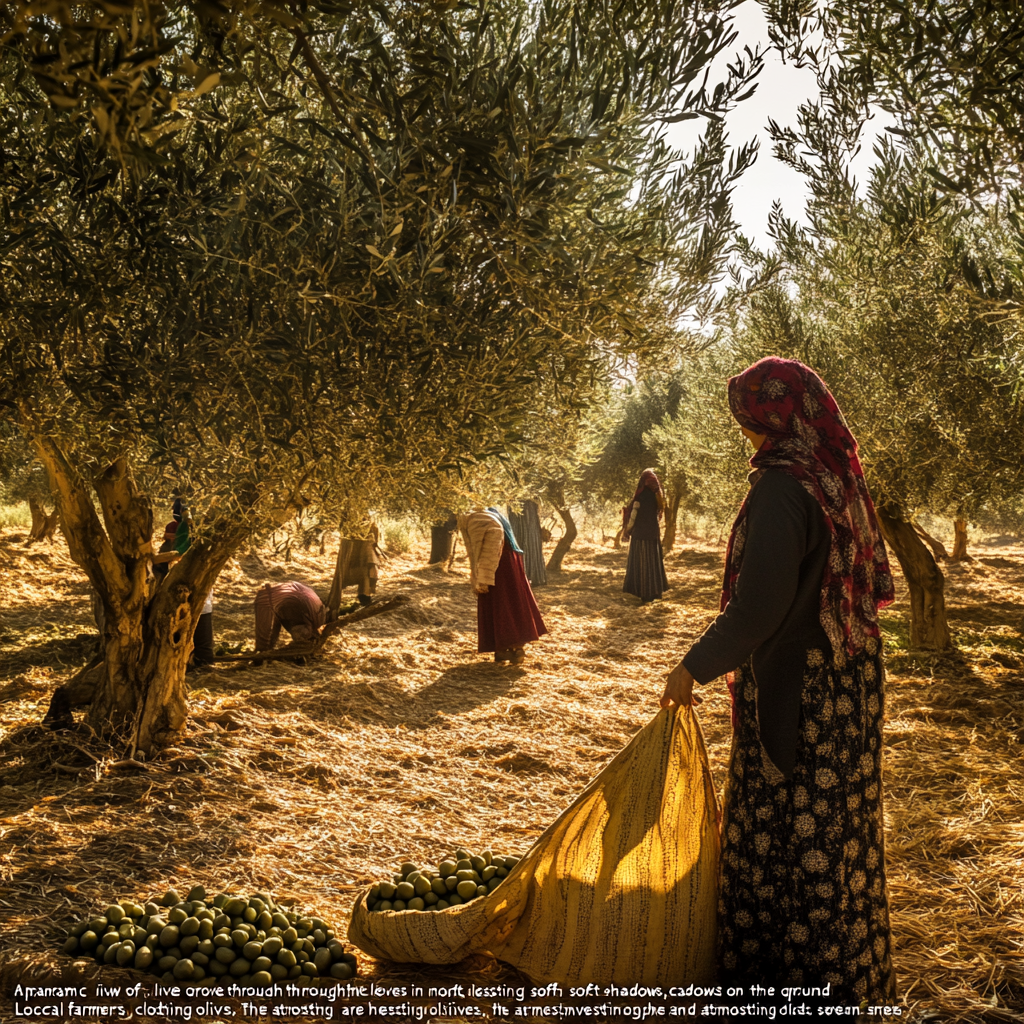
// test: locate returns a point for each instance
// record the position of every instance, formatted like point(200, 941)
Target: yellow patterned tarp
point(622, 887)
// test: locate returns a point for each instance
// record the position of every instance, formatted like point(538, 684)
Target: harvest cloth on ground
point(527, 530)
point(621, 888)
point(645, 563)
point(803, 894)
point(293, 605)
point(507, 615)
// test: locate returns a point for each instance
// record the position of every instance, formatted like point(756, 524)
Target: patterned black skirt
point(645, 570)
point(803, 898)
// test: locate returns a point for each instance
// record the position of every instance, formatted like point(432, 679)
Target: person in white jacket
point(507, 614)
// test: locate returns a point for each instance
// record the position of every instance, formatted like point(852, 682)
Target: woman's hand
point(679, 689)
point(481, 588)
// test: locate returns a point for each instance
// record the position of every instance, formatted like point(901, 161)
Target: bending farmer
point(507, 614)
point(293, 605)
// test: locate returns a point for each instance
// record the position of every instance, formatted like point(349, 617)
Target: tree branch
point(88, 543)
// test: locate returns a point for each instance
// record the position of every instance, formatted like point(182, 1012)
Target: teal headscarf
point(507, 527)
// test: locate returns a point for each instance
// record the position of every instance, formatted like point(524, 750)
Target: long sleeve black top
point(645, 523)
point(773, 615)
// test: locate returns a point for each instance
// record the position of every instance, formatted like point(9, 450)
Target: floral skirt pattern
point(803, 898)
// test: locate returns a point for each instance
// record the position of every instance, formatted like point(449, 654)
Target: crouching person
point(293, 605)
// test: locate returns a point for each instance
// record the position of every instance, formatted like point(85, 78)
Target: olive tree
point(874, 297)
point(699, 446)
point(624, 446)
point(277, 257)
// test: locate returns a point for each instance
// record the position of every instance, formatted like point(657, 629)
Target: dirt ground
point(402, 742)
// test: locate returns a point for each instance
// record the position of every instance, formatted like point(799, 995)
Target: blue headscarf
point(507, 527)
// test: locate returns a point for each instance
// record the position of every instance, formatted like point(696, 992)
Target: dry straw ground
point(402, 742)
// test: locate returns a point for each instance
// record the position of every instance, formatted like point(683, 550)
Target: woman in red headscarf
point(803, 894)
point(641, 526)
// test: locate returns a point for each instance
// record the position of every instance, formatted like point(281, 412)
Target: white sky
point(781, 89)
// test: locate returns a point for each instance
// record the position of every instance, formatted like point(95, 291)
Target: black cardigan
point(773, 616)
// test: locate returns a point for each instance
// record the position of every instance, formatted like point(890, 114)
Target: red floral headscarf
point(808, 438)
point(648, 481)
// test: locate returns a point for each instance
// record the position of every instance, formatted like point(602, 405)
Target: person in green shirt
point(202, 640)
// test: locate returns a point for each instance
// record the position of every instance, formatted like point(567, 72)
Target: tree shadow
point(457, 690)
point(1000, 563)
point(58, 651)
point(52, 763)
point(988, 613)
point(610, 558)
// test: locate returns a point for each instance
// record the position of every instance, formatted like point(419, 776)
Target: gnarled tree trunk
point(929, 629)
point(960, 542)
point(938, 548)
point(668, 539)
point(557, 496)
point(442, 540)
point(43, 526)
point(139, 697)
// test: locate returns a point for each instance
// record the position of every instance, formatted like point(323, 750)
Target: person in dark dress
point(641, 526)
point(526, 528)
point(203, 655)
point(803, 897)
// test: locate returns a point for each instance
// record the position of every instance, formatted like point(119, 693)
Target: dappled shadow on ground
point(998, 612)
point(402, 741)
point(954, 811)
point(58, 651)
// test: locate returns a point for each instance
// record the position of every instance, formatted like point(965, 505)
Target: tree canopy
point(274, 256)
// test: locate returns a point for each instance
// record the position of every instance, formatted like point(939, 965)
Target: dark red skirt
point(507, 615)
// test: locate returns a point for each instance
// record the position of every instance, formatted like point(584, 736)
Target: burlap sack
point(621, 888)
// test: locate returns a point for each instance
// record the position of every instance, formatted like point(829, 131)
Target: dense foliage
point(324, 255)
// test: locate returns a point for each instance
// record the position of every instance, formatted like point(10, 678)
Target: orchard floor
point(402, 742)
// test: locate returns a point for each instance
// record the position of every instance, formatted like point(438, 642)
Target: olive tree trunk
point(557, 496)
point(43, 526)
point(668, 539)
point(929, 629)
point(139, 696)
point(938, 548)
point(442, 540)
point(960, 542)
